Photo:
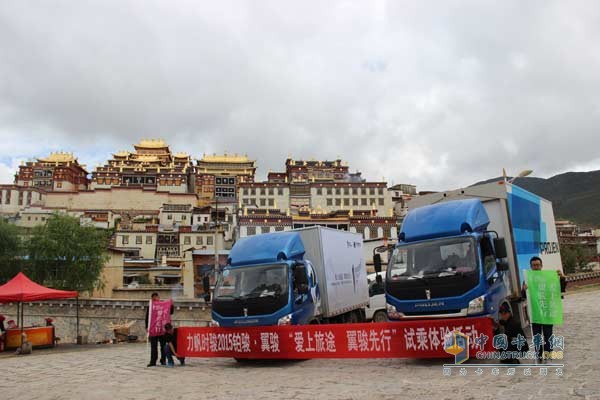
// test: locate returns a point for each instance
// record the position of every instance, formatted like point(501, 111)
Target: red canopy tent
point(21, 289)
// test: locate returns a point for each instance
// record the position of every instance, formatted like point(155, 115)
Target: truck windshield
point(253, 282)
point(432, 259)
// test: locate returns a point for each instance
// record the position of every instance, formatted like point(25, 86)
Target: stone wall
point(96, 314)
point(144, 293)
point(118, 198)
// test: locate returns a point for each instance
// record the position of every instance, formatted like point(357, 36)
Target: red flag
point(158, 316)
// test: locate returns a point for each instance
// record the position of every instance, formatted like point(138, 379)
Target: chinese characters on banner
point(543, 295)
point(413, 339)
point(158, 316)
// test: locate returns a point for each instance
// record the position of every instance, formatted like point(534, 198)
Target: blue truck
point(304, 276)
point(462, 253)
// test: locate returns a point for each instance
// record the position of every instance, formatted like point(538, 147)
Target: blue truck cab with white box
point(262, 283)
point(461, 253)
point(309, 275)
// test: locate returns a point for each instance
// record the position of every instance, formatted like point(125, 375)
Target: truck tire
point(380, 316)
point(353, 317)
point(519, 312)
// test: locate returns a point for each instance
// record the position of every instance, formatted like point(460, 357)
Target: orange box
point(42, 336)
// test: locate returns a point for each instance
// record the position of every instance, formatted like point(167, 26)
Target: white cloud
point(439, 96)
point(7, 171)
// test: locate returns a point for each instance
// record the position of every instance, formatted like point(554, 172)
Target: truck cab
point(266, 282)
point(465, 252)
point(447, 264)
point(305, 276)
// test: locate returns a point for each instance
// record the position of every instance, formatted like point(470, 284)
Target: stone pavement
point(119, 372)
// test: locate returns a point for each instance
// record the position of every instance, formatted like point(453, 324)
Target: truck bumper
point(397, 315)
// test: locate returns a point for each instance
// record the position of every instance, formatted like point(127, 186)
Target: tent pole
point(22, 327)
point(77, 313)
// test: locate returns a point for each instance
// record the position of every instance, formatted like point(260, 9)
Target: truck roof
point(265, 248)
point(449, 218)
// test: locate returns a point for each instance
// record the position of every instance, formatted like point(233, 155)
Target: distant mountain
point(574, 195)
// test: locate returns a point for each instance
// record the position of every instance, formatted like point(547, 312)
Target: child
point(171, 346)
point(512, 329)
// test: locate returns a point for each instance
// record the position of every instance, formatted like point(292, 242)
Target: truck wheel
point(354, 317)
point(380, 316)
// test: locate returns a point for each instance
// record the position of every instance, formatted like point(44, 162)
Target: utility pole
point(216, 233)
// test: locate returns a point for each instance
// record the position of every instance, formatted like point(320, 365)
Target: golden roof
point(181, 155)
point(146, 158)
point(121, 153)
point(235, 158)
point(58, 157)
point(151, 143)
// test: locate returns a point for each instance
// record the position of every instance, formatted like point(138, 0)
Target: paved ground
point(119, 372)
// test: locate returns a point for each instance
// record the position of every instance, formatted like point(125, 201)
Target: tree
point(10, 251)
point(65, 255)
point(569, 259)
point(575, 257)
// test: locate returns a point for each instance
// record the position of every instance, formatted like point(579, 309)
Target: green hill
point(574, 195)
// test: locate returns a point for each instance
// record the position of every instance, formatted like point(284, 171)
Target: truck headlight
point(214, 324)
point(476, 306)
point(392, 312)
point(285, 320)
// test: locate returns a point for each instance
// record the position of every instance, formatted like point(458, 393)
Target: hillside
point(574, 195)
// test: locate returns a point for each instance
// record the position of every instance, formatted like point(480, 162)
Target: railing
point(583, 276)
point(150, 286)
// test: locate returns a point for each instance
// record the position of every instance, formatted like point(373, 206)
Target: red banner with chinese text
point(406, 339)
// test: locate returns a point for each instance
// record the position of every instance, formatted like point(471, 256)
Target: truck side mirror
point(377, 262)
point(300, 278)
point(303, 288)
point(502, 266)
point(500, 247)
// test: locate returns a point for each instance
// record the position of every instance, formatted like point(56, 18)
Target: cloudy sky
point(437, 94)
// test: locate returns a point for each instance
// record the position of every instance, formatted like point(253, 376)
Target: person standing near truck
point(156, 337)
point(2, 332)
point(543, 331)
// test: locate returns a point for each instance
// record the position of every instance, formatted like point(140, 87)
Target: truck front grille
point(254, 307)
point(439, 312)
point(449, 286)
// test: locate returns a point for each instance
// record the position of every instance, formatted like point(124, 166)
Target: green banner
point(543, 295)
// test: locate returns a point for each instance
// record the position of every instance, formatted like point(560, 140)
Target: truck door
point(497, 289)
point(314, 288)
point(303, 304)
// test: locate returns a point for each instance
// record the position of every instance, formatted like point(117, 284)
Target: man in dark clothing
point(509, 326)
point(171, 346)
point(155, 340)
point(2, 331)
point(542, 332)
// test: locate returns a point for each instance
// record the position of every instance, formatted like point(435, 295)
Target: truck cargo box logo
point(355, 274)
point(549, 248)
point(457, 344)
point(533, 226)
